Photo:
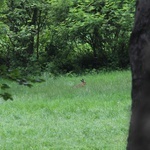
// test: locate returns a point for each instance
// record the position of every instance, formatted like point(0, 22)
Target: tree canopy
point(63, 35)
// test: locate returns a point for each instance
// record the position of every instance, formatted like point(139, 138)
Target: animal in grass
point(82, 84)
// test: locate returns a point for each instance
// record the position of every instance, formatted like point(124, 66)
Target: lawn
point(55, 115)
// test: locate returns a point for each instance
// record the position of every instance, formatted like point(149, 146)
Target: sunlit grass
point(55, 115)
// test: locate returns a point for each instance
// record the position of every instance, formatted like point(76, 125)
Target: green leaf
point(6, 96)
point(4, 86)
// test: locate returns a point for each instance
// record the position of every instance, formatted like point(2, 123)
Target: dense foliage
point(63, 35)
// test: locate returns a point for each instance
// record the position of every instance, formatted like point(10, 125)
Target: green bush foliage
point(63, 36)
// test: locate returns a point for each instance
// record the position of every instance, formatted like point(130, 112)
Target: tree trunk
point(139, 51)
point(96, 46)
point(30, 48)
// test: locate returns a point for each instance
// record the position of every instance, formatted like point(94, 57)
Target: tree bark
point(139, 51)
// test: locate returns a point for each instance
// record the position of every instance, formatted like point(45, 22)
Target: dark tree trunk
point(30, 48)
point(139, 51)
point(96, 45)
point(38, 34)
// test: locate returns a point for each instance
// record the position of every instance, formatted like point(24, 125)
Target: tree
point(64, 35)
point(11, 23)
point(102, 25)
point(25, 21)
point(139, 51)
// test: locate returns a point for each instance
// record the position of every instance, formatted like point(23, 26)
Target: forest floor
point(58, 115)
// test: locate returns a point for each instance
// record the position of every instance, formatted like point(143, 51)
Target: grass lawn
point(55, 115)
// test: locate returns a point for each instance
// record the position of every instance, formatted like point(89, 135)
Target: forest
point(61, 36)
point(78, 50)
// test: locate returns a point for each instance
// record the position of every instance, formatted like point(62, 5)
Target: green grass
point(55, 115)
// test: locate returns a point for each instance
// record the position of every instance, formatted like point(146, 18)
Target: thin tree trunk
point(139, 51)
point(30, 48)
point(96, 46)
point(38, 35)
